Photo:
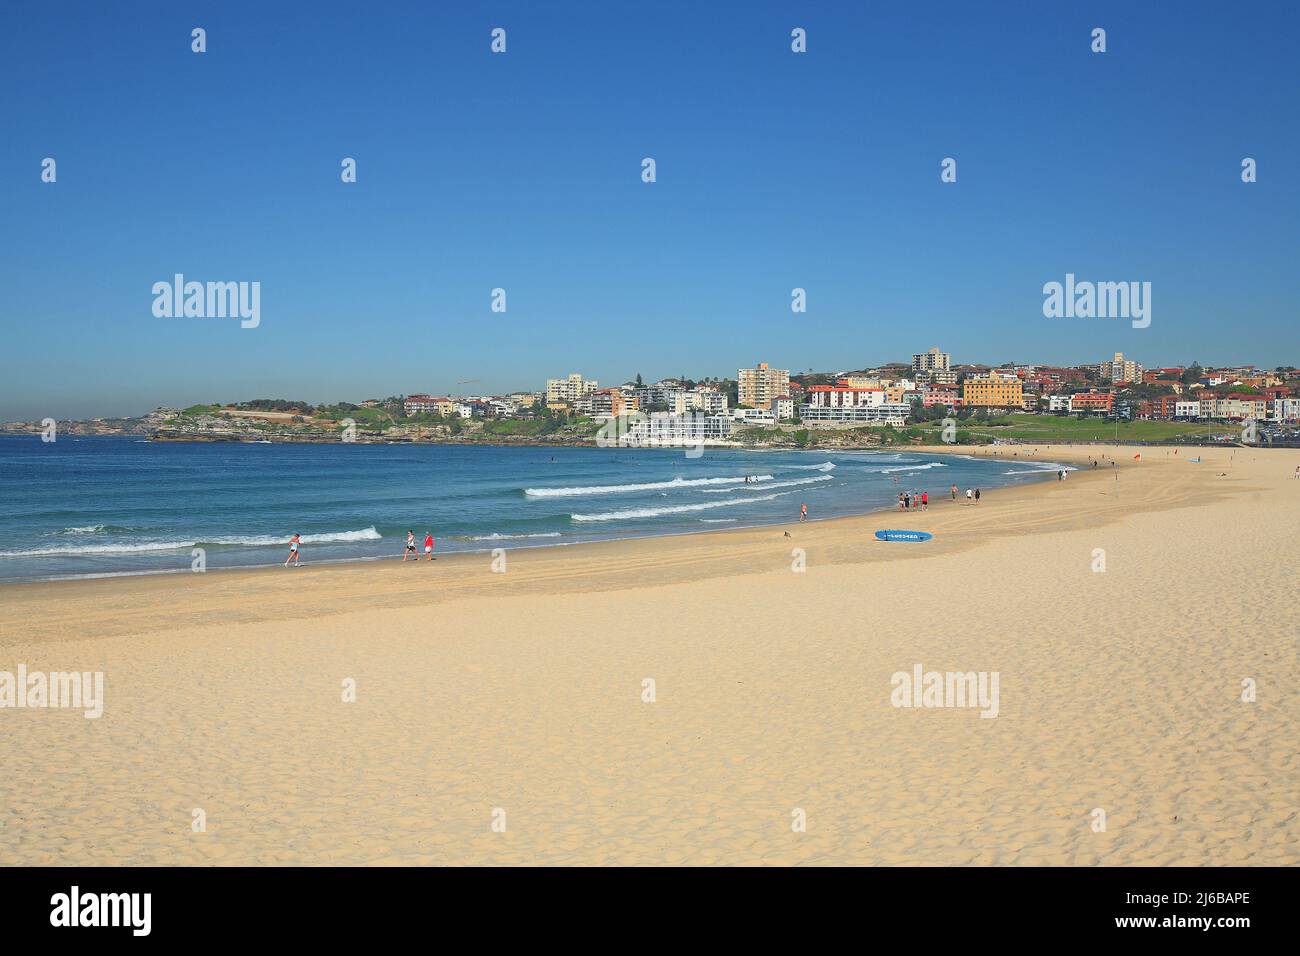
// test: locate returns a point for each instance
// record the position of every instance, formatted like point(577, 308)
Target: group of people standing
point(410, 547)
point(914, 500)
point(920, 500)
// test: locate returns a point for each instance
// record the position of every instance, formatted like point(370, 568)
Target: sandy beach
point(486, 698)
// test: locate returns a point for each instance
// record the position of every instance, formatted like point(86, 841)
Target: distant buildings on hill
point(896, 394)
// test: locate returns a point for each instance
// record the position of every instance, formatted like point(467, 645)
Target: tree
point(639, 383)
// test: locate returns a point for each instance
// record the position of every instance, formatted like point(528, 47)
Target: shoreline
point(489, 545)
point(770, 662)
point(460, 568)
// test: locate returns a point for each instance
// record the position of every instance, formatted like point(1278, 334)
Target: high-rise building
point(759, 385)
point(1119, 371)
point(924, 366)
point(569, 389)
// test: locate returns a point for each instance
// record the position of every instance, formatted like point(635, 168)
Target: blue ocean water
point(89, 506)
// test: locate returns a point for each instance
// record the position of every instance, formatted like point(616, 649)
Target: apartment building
point(760, 384)
point(428, 405)
point(1092, 403)
point(844, 396)
point(672, 396)
point(934, 366)
point(882, 414)
point(702, 398)
point(569, 390)
point(1286, 409)
point(1120, 370)
point(992, 391)
point(612, 402)
point(948, 396)
point(673, 431)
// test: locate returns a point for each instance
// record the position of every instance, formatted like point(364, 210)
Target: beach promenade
point(505, 716)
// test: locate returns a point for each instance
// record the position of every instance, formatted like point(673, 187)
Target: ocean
point(99, 505)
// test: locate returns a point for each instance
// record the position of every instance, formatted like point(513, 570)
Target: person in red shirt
point(428, 544)
point(925, 501)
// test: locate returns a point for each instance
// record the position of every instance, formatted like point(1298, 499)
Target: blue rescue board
point(904, 535)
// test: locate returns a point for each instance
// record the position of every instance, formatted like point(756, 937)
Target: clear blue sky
point(522, 171)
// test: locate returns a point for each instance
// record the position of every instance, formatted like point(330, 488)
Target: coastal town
point(767, 405)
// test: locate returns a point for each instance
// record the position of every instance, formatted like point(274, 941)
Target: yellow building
point(992, 391)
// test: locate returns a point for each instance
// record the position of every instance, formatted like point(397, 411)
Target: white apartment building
point(702, 398)
point(887, 413)
point(754, 416)
point(1187, 409)
point(662, 429)
point(783, 407)
point(846, 396)
point(1286, 409)
point(661, 393)
point(1061, 403)
point(569, 389)
point(760, 384)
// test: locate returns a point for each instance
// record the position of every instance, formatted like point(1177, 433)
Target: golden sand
point(518, 696)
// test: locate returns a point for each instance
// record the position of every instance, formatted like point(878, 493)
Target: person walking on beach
point(977, 496)
point(410, 547)
point(803, 511)
point(925, 501)
point(969, 493)
point(293, 550)
point(907, 501)
point(428, 544)
point(900, 501)
point(954, 492)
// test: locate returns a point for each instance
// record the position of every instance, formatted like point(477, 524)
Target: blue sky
point(522, 171)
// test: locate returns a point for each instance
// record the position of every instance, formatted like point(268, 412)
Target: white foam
point(773, 484)
point(673, 509)
point(501, 537)
point(137, 547)
point(824, 466)
point(917, 467)
point(645, 486)
point(1033, 466)
point(324, 537)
